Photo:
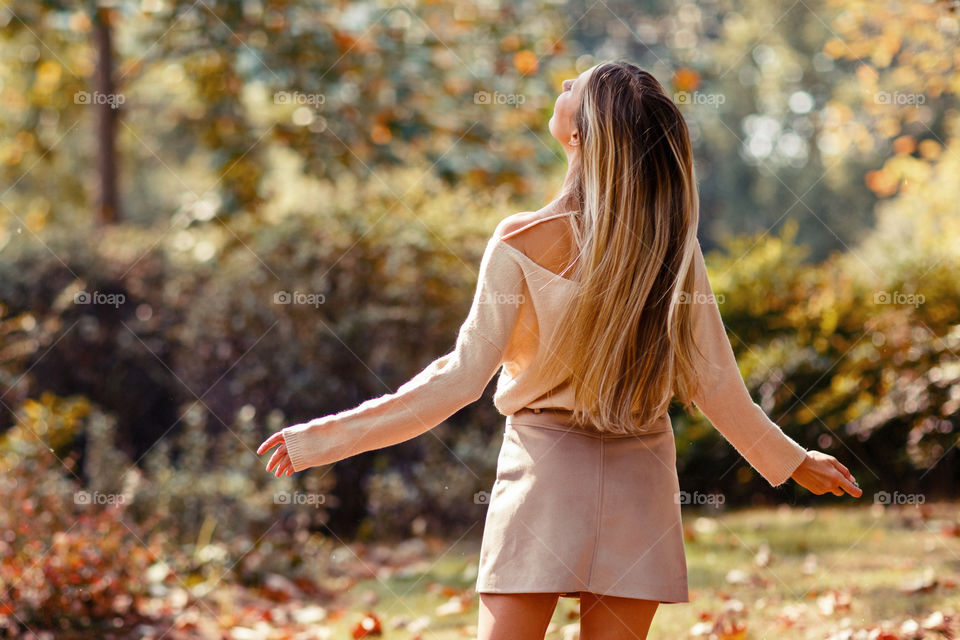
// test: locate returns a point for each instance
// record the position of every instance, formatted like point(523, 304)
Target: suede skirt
point(573, 510)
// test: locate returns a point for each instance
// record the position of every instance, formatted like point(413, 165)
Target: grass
point(793, 573)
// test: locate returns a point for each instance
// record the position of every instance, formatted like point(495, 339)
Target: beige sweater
point(516, 301)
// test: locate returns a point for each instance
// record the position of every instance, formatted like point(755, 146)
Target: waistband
point(562, 420)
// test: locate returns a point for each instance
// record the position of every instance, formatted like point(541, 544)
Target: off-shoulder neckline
point(533, 262)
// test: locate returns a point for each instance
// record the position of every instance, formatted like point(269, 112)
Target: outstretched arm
point(441, 389)
point(723, 396)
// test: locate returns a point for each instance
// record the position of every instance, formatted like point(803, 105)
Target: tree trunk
point(107, 108)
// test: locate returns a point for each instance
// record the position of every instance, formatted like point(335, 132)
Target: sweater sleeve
point(447, 384)
point(724, 399)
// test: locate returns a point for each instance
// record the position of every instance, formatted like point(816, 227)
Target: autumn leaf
point(369, 625)
point(526, 61)
point(686, 79)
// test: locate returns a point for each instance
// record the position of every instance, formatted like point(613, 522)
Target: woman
point(586, 502)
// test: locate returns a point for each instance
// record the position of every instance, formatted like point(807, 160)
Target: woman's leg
point(515, 616)
point(614, 618)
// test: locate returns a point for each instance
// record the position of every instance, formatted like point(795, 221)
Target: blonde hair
point(626, 342)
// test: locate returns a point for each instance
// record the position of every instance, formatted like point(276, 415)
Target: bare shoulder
point(546, 240)
point(508, 227)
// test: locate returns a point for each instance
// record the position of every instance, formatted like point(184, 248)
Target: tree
point(108, 205)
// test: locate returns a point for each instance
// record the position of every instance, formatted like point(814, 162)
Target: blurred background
point(221, 218)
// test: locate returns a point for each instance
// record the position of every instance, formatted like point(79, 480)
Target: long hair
point(626, 342)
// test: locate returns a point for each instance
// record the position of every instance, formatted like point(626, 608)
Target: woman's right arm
point(438, 391)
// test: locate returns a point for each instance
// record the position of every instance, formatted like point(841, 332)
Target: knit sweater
point(516, 301)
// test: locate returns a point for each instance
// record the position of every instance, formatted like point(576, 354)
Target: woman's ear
point(575, 139)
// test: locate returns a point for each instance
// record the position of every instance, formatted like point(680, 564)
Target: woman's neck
point(567, 199)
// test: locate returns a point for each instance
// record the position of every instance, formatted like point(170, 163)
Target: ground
point(833, 572)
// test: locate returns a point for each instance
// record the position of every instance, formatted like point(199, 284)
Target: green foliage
point(200, 339)
point(786, 128)
point(857, 355)
point(209, 89)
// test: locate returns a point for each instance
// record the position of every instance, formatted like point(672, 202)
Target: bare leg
point(614, 618)
point(515, 616)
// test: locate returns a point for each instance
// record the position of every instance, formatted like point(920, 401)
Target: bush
point(68, 559)
point(109, 552)
point(198, 336)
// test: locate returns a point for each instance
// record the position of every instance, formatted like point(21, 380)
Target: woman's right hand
point(822, 473)
point(280, 460)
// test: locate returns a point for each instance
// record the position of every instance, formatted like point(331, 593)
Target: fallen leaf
point(736, 576)
point(925, 583)
point(762, 559)
point(369, 625)
point(733, 631)
point(935, 621)
point(453, 606)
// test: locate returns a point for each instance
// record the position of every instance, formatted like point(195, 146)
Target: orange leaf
point(733, 631)
point(904, 145)
point(686, 79)
point(368, 626)
point(881, 182)
point(526, 61)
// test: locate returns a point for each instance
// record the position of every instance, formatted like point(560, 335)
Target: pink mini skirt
point(573, 510)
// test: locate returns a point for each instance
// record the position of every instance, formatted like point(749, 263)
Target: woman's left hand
point(280, 459)
point(821, 473)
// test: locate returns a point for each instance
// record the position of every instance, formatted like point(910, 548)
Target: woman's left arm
point(446, 385)
point(723, 396)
